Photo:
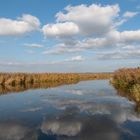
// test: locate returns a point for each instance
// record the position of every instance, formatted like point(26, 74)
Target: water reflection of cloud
point(16, 131)
point(71, 125)
point(86, 92)
point(31, 109)
point(120, 109)
point(82, 128)
point(75, 92)
point(57, 127)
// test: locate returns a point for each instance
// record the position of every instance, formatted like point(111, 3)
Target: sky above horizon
point(69, 35)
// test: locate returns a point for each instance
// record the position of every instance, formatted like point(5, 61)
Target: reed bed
point(18, 82)
point(32, 78)
point(127, 80)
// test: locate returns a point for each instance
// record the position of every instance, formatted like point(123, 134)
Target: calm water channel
point(89, 110)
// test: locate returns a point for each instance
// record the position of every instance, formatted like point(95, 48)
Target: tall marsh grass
point(128, 81)
point(31, 78)
point(16, 82)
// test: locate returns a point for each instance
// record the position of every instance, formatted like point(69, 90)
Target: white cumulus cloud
point(22, 25)
point(60, 29)
point(130, 36)
point(76, 58)
point(33, 45)
point(129, 14)
point(93, 19)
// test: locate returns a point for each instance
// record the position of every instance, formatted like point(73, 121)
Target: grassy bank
point(32, 78)
point(127, 81)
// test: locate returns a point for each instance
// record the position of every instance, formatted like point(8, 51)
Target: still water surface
point(89, 110)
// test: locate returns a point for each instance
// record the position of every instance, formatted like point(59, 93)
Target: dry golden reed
point(128, 81)
point(31, 78)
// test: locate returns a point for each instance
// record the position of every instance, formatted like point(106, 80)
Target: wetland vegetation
point(84, 111)
point(127, 82)
point(30, 78)
point(15, 82)
point(74, 110)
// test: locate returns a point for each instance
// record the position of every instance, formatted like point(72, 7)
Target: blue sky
point(69, 35)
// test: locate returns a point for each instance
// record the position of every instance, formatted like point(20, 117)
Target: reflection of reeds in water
point(124, 93)
point(20, 88)
point(127, 82)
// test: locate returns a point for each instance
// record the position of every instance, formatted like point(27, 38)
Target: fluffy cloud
point(19, 64)
point(70, 22)
point(63, 48)
point(109, 40)
point(127, 54)
point(114, 39)
point(129, 14)
point(96, 28)
point(76, 58)
point(95, 20)
point(33, 45)
point(130, 36)
point(60, 29)
point(22, 25)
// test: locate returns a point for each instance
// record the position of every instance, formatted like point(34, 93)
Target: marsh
point(82, 111)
